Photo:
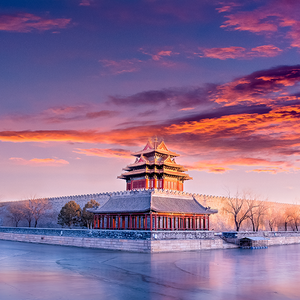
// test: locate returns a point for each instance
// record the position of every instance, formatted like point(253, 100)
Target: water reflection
point(29, 271)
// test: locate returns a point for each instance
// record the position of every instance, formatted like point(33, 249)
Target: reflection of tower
point(155, 167)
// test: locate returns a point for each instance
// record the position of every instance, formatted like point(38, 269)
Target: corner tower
point(155, 168)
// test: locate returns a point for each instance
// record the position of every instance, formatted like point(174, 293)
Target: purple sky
point(84, 83)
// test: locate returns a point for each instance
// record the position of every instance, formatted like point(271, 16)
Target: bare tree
point(288, 217)
point(15, 213)
point(257, 210)
point(239, 208)
point(295, 216)
point(34, 209)
point(273, 217)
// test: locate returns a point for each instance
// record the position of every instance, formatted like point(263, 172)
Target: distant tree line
point(253, 213)
point(71, 214)
point(30, 211)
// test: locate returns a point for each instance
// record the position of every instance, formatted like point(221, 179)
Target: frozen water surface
point(33, 271)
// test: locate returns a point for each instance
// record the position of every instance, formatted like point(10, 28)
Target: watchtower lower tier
point(152, 210)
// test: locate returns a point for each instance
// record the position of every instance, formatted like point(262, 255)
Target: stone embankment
point(139, 241)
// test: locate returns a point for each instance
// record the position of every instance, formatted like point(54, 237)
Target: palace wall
point(221, 221)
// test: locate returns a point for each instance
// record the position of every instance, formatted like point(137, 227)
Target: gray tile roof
point(153, 200)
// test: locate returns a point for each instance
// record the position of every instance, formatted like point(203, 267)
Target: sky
point(84, 83)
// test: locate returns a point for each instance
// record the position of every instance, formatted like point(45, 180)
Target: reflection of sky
point(84, 82)
point(31, 271)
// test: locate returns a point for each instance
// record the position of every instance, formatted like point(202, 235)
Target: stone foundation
point(137, 241)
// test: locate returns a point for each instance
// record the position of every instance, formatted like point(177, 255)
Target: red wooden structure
point(154, 199)
point(152, 210)
point(151, 221)
point(155, 168)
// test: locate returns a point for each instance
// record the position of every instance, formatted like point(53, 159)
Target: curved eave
point(131, 166)
point(144, 172)
point(170, 153)
point(207, 212)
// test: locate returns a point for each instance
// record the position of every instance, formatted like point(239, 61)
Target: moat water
point(44, 272)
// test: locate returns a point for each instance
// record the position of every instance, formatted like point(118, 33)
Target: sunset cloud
point(85, 3)
point(249, 115)
point(120, 153)
point(158, 55)
point(39, 161)
point(62, 114)
point(25, 22)
point(225, 165)
point(265, 86)
point(178, 97)
point(241, 52)
point(274, 17)
point(122, 66)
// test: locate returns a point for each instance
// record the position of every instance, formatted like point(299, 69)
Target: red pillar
point(147, 183)
point(94, 221)
point(151, 220)
point(130, 222)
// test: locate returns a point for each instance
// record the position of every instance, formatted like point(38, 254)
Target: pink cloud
point(85, 3)
point(39, 161)
point(241, 52)
point(224, 53)
point(25, 22)
point(268, 19)
point(248, 21)
point(122, 66)
point(187, 108)
point(160, 54)
point(265, 51)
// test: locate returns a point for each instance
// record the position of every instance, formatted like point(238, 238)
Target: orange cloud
point(39, 161)
point(222, 166)
point(128, 137)
point(104, 152)
point(25, 22)
point(269, 170)
point(209, 167)
point(187, 108)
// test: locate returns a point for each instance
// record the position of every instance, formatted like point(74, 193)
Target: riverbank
point(140, 241)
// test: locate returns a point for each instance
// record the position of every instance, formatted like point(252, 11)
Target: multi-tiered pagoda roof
point(155, 167)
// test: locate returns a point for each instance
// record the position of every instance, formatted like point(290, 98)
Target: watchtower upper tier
point(155, 167)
